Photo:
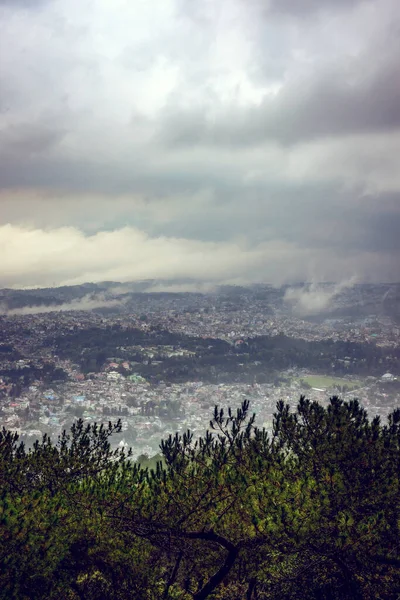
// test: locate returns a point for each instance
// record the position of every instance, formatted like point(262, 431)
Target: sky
point(225, 141)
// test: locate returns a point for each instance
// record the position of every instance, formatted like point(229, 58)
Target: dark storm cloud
point(381, 231)
point(228, 132)
point(331, 103)
point(313, 216)
point(26, 139)
point(296, 212)
point(90, 175)
point(200, 11)
point(31, 156)
point(64, 174)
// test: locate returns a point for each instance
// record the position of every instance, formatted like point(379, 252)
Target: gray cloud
point(382, 230)
point(227, 141)
point(337, 101)
point(204, 11)
point(305, 7)
point(23, 3)
point(27, 139)
point(314, 216)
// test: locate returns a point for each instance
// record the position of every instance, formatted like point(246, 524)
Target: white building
point(388, 377)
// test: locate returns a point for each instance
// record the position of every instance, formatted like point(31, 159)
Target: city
point(160, 362)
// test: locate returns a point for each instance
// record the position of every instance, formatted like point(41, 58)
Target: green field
point(322, 381)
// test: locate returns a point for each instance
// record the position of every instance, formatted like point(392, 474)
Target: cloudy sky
point(221, 140)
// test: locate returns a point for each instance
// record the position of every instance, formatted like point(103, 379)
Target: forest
point(308, 511)
point(219, 361)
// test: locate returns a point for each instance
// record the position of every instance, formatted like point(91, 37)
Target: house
point(388, 377)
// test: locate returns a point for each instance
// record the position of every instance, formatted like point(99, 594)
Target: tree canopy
point(310, 510)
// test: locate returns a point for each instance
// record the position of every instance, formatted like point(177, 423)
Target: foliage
point(218, 361)
point(310, 511)
point(28, 374)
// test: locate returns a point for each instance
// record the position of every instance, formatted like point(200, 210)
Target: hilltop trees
point(351, 468)
point(310, 511)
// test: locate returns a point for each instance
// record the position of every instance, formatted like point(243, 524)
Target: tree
point(311, 511)
point(52, 538)
point(351, 467)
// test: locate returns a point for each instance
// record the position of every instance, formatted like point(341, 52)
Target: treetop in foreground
point(309, 511)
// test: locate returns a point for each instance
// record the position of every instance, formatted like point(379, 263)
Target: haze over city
point(226, 142)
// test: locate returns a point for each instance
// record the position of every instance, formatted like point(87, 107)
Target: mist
point(88, 302)
point(315, 298)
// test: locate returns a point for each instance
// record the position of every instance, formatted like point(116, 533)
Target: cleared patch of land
point(326, 382)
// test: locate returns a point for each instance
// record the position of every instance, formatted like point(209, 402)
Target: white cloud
point(66, 256)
